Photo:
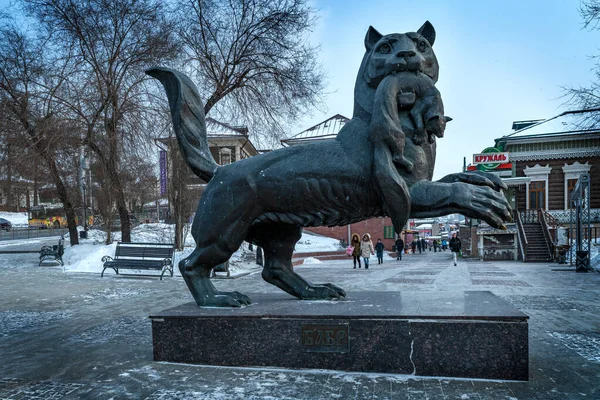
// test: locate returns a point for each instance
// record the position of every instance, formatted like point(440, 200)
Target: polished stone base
point(466, 334)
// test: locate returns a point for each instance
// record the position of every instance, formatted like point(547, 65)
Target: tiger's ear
point(371, 38)
point(428, 32)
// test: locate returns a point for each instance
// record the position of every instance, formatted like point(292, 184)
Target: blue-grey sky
point(500, 61)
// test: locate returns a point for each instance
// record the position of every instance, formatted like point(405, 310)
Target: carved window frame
point(538, 173)
point(225, 154)
point(573, 171)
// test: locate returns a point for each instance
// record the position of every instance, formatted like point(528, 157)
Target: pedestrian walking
point(413, 246)
point(379, 249)
point(419, 246)
point(399, 248)
point(435, 246)
point(355, 242)
point(455, 246)
point(366, 249)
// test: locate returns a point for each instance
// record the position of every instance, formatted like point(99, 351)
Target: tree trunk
point(117, 189)
point(9, 193)
point(61, 190)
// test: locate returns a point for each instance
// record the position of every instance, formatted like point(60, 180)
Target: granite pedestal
point(467, 334)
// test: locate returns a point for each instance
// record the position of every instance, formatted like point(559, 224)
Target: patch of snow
point(312, 260)
point(310, 242)
point(87, 256)
point(17, 219)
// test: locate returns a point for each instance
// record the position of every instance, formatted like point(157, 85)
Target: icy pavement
point(77, 336)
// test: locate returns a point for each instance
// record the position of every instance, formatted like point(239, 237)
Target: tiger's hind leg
point(277, 241)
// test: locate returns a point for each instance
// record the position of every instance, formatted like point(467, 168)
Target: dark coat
point(356, 244)
point(379, 248)
point(399, 244)
point(455, 245)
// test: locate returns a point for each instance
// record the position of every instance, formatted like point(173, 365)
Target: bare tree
point(113, 41)
point(588, 97)
point(27, 90)
point(253, 61)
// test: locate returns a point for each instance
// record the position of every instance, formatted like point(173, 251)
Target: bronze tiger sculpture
point(267, 199)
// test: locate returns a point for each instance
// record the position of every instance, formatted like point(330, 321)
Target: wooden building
point(545, 160)
point(549, 156)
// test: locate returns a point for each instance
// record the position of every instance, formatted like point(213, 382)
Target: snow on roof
point(567, 123)
point(162, 202)
point(327, 129)
point(216, 128)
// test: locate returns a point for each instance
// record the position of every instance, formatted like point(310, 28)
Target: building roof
point(567, 123)
point(518, 125)
point(217, 128)
point(325, 130)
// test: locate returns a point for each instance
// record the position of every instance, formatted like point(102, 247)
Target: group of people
point(363, 248)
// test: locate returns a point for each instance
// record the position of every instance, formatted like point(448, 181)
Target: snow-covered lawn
point(87, 256)
point(17, 219)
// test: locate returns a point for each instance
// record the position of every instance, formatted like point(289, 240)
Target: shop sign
point(490, 158)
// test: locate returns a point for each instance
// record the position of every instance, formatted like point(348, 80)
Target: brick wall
point(373, 226)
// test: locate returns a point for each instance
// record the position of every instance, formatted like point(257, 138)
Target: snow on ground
point(594, 253)
point(312, 260)
point(17, 219)
point(310, 242)
point(87, 257)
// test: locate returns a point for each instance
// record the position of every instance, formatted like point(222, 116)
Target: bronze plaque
point(325, 338)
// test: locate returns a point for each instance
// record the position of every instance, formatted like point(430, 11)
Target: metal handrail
point(521, 236)
point(546, 230)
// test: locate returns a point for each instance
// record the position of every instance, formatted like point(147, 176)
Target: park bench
point(224, 267)
point(54, 252)
point(147, 256)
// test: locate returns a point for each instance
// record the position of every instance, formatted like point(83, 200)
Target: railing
point(544, 217)
point(564, 216)
point(529, 216)
point(28, 233)
point(521, 236)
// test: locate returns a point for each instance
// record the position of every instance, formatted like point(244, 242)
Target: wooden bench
point(53, 252)
point(149, 256)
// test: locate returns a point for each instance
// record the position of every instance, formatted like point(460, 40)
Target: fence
point(28, 233)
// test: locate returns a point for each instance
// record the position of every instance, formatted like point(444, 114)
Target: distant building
point(325, 130)
point(227, 144)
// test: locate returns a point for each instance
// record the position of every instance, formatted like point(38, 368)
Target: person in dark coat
point(413, 246)
point(435, 246)
point(399, 248)
point(419, 245)
point(379, 250)
point(455, 246)
point(355, 242)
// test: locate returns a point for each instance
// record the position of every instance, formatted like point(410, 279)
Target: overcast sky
point(500, 61)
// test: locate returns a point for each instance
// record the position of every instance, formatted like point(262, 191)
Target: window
point(572, 173)
point(570, 186)
point(537, 195)
point(388, 232)
point(225, 156)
